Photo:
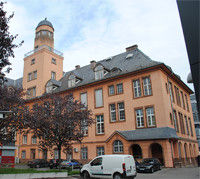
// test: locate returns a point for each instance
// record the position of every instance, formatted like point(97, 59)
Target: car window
point(96, 162)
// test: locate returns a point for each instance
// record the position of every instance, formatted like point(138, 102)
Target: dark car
point(149, 165)
point(38, 163)
point(71, 163)
point(54, 163)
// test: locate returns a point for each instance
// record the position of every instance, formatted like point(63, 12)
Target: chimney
point(77, 66)
point(92, 63)
point(128, 49)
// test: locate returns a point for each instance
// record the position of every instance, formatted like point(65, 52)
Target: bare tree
point(7, 44)
point(58, 121)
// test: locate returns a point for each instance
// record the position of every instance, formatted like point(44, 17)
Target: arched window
point(137, 151)
point(99, 72)
point(118, 147)
point(179, 150)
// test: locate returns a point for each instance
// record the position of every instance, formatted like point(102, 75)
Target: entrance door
point(156, 151)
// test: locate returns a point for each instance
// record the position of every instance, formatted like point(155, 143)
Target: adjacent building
point(140, 106)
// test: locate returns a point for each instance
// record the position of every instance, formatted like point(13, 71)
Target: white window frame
point(53, 75)
point(120, 88)
point(99, 103)
point(186, 125)
point(84, 99)
point(151, 121)
point(100, 124)
point(147, 86)
point(24, 141)
point(118, 146)
point(111, 89)
point(137, 88)
point(84, 127)
point(34, 140)
point(33, 61)
point(71, 81)
point(113, 111)
point(84, 153)
point(99, 72)
point(122, 110)
point(100, 151)
point(35, 74)
point(23, 154)
point(29, 76)
point(53, 60)
point(139, 118)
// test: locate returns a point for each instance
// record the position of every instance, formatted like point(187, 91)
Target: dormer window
point(99, 72)
point(72, 81)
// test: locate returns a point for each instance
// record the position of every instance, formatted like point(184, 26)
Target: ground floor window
point(100, 151)
point(23, 154)
point(84, 153)
point(118, 147)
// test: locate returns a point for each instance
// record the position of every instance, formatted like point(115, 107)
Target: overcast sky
point(88, 30)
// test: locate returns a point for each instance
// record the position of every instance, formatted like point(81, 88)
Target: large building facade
point(140, 106)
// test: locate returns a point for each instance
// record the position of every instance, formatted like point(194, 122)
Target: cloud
point(94, 30)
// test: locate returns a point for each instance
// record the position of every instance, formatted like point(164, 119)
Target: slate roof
point(149, 133)
point(16, 83)
point(55, 82)
point(137, 62)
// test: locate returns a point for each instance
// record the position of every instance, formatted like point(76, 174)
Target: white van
point(110, 166)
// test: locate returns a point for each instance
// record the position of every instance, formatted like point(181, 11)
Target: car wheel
point(86, 175)
point(117, 176)
point(37, 166)
point(152, 170)
point(159, 168)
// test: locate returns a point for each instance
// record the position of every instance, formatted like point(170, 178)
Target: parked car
point(54, 163)
point(71, 163)
point(149, 165)
point(110, 166)
point(38, 163)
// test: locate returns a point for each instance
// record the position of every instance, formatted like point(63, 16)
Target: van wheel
point(117, 176)
point(86, 175)
point(152, 170)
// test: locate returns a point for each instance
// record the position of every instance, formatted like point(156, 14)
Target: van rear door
point(130, 165)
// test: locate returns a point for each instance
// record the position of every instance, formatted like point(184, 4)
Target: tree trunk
point(59, 157)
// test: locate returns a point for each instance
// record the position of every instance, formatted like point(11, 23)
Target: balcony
point(42, 47)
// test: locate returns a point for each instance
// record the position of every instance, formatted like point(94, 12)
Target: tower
point(43, 63)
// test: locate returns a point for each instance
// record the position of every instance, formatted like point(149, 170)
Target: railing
point(42, 47)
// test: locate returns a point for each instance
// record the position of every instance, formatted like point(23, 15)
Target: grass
point(31, 170)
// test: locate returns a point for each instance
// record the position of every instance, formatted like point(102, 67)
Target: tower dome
point(45, 22)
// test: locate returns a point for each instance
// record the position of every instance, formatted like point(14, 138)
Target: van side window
point(96, 162)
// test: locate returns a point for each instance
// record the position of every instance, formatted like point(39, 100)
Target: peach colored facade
point(171, 152)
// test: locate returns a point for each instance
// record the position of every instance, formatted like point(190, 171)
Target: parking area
point(168, 173)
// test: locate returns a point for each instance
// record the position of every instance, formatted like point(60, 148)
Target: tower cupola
point(44, 34)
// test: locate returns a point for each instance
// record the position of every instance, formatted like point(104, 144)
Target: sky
point(88, 30)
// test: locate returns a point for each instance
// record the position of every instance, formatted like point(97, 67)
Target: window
point(100, 151)
point(175, 121)
point(191, 130)
point(171, 119)
point(186, 125)
point(84, 127)
point(118, 147)
point(53, 75)
point(186, 99)
point(71, 81)
point(150, 117)
point(181, 123)
point(29, 76)
point(99, 98)
point(35, 75)
point(137, 88)
point(84, 99)
point(147, 86)
point(178, 99)
point(171, 91)
point(183, 101)
point(112, 113)
point(24, 139)
point(99, 72)
point(23, 154)
point(111, 90)
point(33, 61)
point(34, 140)
point(119, 88)
point(97, 162)
point(53, 60)
point(55, 154)
point(84, 153)
point(139, 118)
point(99, 124)
point(121, 111)
point(31, 92)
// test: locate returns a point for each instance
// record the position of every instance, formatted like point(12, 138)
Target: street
point(168, 173)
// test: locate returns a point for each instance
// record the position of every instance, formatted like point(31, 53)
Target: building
point(140, 106)
point(195, 117)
